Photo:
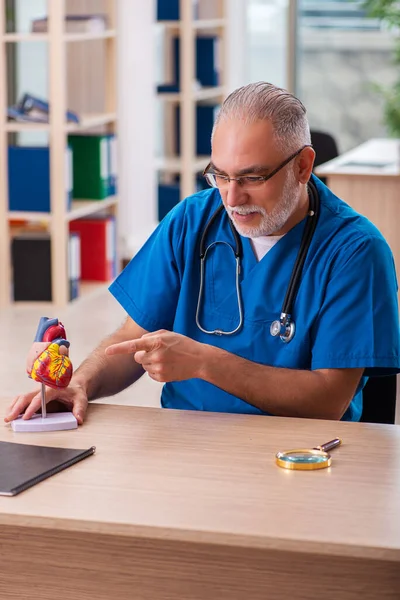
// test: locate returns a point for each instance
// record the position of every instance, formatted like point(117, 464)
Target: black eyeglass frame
point(260, 179)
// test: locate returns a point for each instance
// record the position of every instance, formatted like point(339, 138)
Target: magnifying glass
point(307, 459)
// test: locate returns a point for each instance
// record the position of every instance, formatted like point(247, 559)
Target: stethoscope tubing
point(285, 326)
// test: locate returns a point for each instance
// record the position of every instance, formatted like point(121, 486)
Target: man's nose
point(234, 194)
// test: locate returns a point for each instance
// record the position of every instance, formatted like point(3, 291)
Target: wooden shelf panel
point(24, 37)
point(80, 208)
point(83, 208)
point(174, 164)
point(209, 23)
point(37, 217)
point(87, 122)
point(197, 25)
point(68, 37)
point(88, 36)
point(208, 93)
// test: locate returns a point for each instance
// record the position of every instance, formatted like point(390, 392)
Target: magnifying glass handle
point(329, 445)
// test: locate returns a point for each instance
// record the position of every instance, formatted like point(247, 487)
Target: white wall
point(31, 62)
point(236, 42)
point(137, 113)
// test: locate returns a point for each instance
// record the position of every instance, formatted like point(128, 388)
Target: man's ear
point(305, 164)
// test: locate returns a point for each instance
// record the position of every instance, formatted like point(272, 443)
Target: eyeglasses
point(249, 181)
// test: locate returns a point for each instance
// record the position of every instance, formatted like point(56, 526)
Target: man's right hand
point(73, 397)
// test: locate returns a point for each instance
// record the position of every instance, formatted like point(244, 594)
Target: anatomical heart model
point(48, 363)
point(48, 359)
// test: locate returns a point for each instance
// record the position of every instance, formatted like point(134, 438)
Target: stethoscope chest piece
point(285, 328)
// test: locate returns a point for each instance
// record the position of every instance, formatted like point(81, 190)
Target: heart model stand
point(49, 364)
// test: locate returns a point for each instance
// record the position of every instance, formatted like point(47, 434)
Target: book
point(93, 23)
point(24, 465)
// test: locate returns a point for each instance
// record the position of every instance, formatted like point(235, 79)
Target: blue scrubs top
point(346, 310)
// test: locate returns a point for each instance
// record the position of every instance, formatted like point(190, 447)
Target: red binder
point(98, 248)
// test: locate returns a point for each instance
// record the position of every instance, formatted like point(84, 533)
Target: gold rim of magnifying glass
point(303, 466)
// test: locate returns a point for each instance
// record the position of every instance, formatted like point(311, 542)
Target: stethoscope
point(285, 327)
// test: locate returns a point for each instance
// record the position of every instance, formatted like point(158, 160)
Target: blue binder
point(206, 61)
point(112, 164)
point(167, 10)
point(29, 179)
point(205, 116)
point(169, 195)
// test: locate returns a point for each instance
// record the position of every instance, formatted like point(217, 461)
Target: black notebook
point(23, 465)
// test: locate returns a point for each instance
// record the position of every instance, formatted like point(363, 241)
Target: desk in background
point(368, 179)
point(188, 505)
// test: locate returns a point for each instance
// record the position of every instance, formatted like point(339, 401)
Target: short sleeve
point(358, 324)
point(148, 288)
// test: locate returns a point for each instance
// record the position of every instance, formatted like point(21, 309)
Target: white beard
point(273, 221)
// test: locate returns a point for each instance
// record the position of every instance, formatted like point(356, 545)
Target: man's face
point(241, 150)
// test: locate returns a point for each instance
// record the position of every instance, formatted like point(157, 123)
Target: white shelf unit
point(188, 165)
point(58, 218)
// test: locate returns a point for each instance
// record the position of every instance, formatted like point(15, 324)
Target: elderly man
point(265, 294)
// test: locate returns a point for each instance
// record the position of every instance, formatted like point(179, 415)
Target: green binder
point(90, 166)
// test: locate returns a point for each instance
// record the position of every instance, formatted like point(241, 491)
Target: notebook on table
point(25, 465)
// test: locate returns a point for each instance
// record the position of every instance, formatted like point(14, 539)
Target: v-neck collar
point(292, 239)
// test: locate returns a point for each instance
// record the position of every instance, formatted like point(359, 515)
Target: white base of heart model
point(52, 422)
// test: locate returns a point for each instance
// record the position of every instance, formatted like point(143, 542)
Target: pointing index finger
point(130, 347)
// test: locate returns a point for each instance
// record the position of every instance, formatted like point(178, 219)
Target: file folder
point(207, 60)
point(24, 465)
point(205, 117)
point(90, 156)
point(168, 10)
point(29, 178)
point(98, 247)
point(31, 261)
point(112, 164)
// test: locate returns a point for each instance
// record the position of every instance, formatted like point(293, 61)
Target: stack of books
point(94, 23)
point(35, 110)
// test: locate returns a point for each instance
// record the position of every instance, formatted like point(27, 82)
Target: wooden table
point(186, 505)
point(368, 179)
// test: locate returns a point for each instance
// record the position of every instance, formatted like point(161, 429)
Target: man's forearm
point(103, 375)
point(278, 391)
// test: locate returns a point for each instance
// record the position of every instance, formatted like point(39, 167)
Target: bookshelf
point(211, 20)
point(57, 219)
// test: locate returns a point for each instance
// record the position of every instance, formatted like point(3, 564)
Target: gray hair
point(264, 101)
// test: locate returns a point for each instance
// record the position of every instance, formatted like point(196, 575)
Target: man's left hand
point(165, 355)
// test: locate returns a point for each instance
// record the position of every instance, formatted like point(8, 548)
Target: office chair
point(379, 400)
point(325, 148)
